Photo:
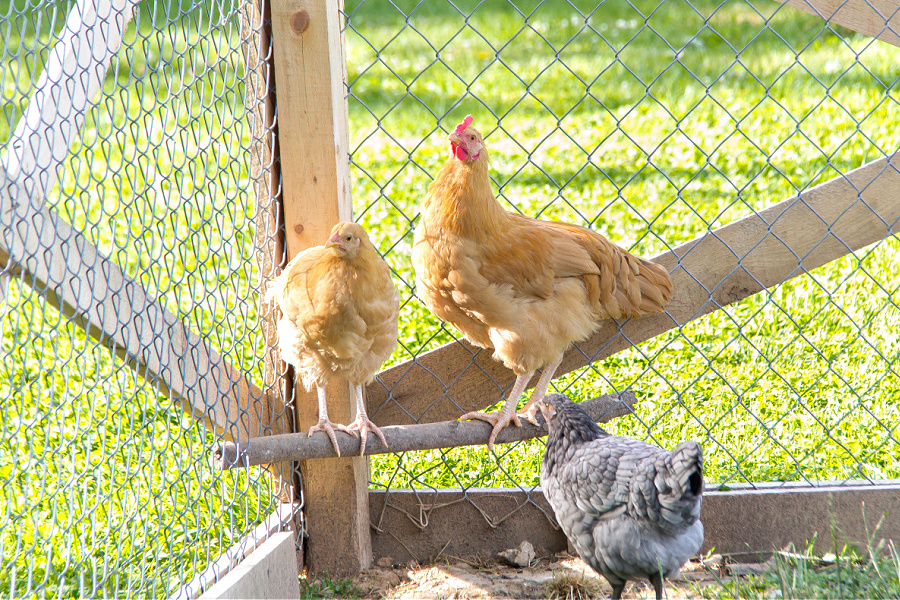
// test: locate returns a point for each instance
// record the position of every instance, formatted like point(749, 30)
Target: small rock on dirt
point(518, 557)
point(744, 569)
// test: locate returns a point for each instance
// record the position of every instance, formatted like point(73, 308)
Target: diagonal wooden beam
point(72, 77)
point(62, 265)
point(60, 262)
point(718, 268)
point(879, 19)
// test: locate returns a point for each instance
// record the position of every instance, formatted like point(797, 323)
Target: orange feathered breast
point(524, 287)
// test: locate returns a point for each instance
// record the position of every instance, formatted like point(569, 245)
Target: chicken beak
point(335, 241)
point(456, 146)
point(546, 410)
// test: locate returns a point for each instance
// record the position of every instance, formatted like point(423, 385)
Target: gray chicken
point(631, 510)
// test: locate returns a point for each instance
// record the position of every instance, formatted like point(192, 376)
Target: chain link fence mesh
point(654, 123)
point(651, 122)
point(107, 487)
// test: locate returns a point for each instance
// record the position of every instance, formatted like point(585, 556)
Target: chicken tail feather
point(687, 469)
point(655, 285)
point(680, 504)
point(657, 275)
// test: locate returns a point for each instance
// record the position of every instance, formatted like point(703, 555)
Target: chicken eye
point(349, 237)
point(472, 138)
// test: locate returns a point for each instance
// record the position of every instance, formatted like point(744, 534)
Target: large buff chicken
point(526, 288)
point(338, 320)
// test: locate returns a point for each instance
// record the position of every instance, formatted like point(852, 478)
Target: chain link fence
point(107, 487)
point(654, 123)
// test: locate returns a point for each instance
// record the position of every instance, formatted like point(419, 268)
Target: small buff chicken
point(631, 510)
point(523, 287)
point(338, 320)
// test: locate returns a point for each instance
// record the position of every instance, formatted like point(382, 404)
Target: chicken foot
point(363, 424)
point(508, 414)
point(531, 409)
point(325, 424)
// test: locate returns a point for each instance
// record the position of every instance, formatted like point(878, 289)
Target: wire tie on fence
point(411, 553)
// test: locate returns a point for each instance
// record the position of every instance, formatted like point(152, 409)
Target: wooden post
point(258, 69)
point(310, 74)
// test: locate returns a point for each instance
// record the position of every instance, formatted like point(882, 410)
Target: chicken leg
point(508, 413)
point(363, 424)
point(540, 390)
point(324, 423)
point(657, 581)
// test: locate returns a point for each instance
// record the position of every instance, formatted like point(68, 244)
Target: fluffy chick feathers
point(339, 311)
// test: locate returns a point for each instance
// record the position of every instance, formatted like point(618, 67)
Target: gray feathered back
point(629, 508)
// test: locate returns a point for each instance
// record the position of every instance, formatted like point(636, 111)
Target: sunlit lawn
point(107, 486)
point(653, 126)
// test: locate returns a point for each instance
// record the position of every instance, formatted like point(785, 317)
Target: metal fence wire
point(128, 211)
point(133, 192)
point(655, 123)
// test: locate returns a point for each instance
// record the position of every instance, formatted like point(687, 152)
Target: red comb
point(464, 125)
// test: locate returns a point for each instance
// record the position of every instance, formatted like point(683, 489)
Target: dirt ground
point(483, 578)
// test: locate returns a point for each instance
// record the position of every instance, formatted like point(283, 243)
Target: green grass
point(849, 575)
point(107, 487)
point(105, 483)
point(872, 571)
point(324, 586)
point(653, 135)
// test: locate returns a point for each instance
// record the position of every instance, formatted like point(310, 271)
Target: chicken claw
point(530, 413)
point(328, 427)
point(363, 425)
point(498, 419)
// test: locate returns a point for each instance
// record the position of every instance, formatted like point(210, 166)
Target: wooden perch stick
point(400, 438)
